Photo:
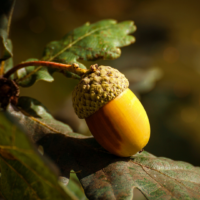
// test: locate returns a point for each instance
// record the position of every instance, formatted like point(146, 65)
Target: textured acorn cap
point(96, 88)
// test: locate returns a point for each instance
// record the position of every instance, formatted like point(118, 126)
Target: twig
point(71, 68)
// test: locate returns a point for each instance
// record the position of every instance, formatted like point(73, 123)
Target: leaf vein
point(63, 50)
point(159, 183)
point(38, 121)
point(46, 181)
point(20, 177)
point(77, 40)
point(167, 176)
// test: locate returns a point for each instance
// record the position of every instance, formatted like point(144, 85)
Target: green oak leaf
point(24, 173)
point(36, 119)
point(25, 79)
point(90, 42)
point(105, 176)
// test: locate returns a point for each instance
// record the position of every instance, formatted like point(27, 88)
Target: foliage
point(30, 175)
point(90, 42)
point(21, 167)
point(105, 176)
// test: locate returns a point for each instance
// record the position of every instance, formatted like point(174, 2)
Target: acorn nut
point(114, 115)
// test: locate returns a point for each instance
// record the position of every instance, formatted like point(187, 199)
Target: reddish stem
point(71, 68)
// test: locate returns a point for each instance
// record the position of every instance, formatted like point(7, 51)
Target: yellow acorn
point(114, 115)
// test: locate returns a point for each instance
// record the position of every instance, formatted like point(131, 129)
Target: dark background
point(163, 66)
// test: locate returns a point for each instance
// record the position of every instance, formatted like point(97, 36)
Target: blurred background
point(163, 66)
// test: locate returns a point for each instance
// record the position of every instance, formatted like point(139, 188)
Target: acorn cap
point(97, 87)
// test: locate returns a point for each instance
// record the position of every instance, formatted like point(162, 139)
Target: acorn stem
point(71, 68)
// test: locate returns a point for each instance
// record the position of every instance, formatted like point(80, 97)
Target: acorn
point(114, 115)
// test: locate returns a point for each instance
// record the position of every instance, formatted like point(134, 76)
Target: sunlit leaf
point(100, 40)
point(90, 42)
